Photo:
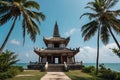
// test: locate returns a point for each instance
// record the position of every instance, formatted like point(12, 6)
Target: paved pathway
point(55, 76)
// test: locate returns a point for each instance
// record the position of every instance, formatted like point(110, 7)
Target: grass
point(78, 75)
point(29, 75)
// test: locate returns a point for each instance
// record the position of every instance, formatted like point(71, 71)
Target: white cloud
point(72, 31)
point(15, 42)
point(88, 54)
point(28, 56)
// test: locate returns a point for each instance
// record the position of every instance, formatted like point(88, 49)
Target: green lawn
point(78, 75)
point(29, 75)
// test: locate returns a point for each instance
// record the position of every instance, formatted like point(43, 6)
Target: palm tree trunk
point(114, 37)
point(97, 59)
point(8, 35)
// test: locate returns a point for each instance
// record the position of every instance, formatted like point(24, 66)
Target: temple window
point(56, 45)
point(50, 45)
point(62, 45)
point(44, 60)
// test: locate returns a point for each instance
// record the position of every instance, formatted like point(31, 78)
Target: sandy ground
point(24, 75)
point(55, 76)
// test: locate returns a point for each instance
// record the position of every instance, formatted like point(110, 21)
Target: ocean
point(113, 66)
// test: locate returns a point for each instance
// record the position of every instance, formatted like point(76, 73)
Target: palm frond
point(4, 3)
point(36, 15)
point(105, 34)
point(35, 31)
point(42, 16)
point(111, 3)
point(30, 28)
point(20, 1)
point(115, 25)
point(24, 29)
point(89, 29)
point(90, 7)
point(116, 51)
point(5, 18)
point(33, 15)
point(91, 15)
point(115, 13)
point(36, 27)
point(31, 4)
point(90, 34)
point(4, 10)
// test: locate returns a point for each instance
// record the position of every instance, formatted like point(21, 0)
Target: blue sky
point(66, 13)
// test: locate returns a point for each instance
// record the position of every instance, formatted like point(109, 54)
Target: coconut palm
point(25, 10)
point(103, 21)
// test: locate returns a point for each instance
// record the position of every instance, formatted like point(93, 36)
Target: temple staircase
point(55, 67)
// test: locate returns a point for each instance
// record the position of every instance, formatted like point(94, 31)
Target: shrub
point(89, 69)
point(108, 74)
point(7, 59)
point(20, 68)
point(117, 76)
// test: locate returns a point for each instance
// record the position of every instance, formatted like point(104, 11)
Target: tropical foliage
point(25, 10)
point(103, 20)
point(116, 51)
point(7, 70)
point(108, 74)
point(104, 73)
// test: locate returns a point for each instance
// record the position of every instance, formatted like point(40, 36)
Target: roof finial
point(56, 31)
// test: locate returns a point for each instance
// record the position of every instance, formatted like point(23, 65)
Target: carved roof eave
point(47, 51)
point(63, 40)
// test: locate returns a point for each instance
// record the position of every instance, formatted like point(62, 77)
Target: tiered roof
point(56, 37)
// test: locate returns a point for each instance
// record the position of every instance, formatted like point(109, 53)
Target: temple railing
point(46, 66)
point(65, 66)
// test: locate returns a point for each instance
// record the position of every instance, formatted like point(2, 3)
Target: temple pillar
point(39, 61)
point(52, 59)
point(61, 59)
point(74, 58)
point(67, 59)
point(46, 58)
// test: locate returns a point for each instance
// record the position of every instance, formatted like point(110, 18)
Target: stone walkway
point(55, 76)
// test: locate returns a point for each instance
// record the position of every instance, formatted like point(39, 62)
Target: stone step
point(55, 67)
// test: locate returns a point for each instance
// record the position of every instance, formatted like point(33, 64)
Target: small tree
point(7, 59)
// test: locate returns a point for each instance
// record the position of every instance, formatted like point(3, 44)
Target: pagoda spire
point(56, 31)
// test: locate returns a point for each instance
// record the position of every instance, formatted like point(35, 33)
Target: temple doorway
point(56, 60)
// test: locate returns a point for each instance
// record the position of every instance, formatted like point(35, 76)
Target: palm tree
point(22, 9)
point(103, 21)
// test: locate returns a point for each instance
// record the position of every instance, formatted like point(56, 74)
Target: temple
point(56, 56)
point(56, 51)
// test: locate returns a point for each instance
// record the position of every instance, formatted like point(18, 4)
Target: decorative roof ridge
point(74, 49)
